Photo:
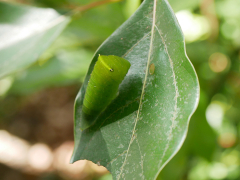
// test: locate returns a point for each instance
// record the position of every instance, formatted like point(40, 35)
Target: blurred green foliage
point(212, 149)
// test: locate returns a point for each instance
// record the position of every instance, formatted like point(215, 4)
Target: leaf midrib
point(142, 94)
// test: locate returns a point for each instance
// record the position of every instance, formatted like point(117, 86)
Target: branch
point(95, 4)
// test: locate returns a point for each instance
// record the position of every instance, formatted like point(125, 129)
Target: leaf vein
point(136, 44)
point(108, 118)
point(144, 85)
point(175, 113)
point(116, 157)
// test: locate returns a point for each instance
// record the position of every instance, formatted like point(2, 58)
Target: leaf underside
point(145, 126)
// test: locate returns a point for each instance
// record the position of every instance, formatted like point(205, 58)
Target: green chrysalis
point(108, 73)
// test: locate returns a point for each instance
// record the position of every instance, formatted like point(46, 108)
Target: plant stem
point(95, 4)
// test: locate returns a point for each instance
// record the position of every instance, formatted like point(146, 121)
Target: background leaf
point(66, 68)
point(147, 123)
point(185, 4)
point(25, 32)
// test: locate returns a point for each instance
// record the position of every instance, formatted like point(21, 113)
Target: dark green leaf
point(145, 126)
point(25, 32)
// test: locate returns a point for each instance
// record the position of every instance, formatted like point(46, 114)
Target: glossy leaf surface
point(25, 32)
point(145, 126)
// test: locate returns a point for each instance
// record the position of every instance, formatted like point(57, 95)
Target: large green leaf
point(145, 126)
point(25, 32)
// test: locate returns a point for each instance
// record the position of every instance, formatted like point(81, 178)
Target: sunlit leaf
point(25, 32)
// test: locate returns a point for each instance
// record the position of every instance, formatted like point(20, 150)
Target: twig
point(94, 4)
